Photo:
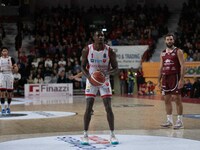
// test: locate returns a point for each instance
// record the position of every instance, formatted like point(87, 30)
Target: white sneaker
point(114, 140)
point(178, 125)
point(168, 124)
point(85, 140)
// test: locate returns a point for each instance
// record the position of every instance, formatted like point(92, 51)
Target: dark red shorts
point(170, 84)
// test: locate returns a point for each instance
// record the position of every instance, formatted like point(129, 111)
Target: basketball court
point(57, 123)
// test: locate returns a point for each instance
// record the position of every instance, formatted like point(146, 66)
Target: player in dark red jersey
point(171, 71)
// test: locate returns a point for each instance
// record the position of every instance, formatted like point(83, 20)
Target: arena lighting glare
point(104, 29)
point(2, 4)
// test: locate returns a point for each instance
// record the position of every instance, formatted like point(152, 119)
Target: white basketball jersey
point(98, 60)
point(6, 64)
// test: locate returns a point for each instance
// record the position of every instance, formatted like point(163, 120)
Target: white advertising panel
point(48, 89)
point(129, 56)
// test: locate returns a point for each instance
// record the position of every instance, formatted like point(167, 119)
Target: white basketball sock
point(2, 106)
point(169, 118)
point(179, 117)
point(85, 133)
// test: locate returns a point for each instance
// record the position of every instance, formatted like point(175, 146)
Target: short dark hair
point(4, 48)
point(170, 34)
point(97, 31)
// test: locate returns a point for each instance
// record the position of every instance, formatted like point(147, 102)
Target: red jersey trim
point(106, 96)
point(93, 95)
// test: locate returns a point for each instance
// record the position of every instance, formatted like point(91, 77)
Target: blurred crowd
point(188, 32)
point(60, 34)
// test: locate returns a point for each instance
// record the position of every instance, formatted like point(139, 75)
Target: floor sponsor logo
point(132, 105)
point(96, 143)
point(194, 116)
point(35, 115)
point(127, 142)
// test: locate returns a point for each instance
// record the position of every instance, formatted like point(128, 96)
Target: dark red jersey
point(171, 63)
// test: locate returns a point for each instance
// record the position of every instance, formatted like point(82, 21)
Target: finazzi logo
point(45, 89)
point(34, 89)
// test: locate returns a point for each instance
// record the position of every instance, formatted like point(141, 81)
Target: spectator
point(143, 89)
point(139, 77)
point(48, 62)
point(131, 81)
point(151, 88)
point(195, 92)
point(122, 80)
point(38, 79)
point(30, 79)
point(62, 77)
point(54, 78)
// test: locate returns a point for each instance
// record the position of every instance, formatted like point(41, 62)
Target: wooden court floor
point(133, 115)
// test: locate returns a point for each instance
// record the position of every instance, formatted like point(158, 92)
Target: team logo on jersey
point(104, 55)
point(104, 60)
point(96, 61)
point(168, 62)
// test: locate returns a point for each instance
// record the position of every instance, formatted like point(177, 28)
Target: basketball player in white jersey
point(98, 56)
point(6, 79)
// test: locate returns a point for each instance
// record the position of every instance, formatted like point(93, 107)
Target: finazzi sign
point(48, 89)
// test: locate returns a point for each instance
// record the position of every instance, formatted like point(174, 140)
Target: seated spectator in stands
point(38, 79)
point(40, 62)
point(76, 68)
point(55, 67)
point(47, 71)
point(40, 71)
point(56, 58)
point(22, 57)
point(195, 92)
point(54, 78)
point(62, 62)
point(62, 77)
point(69, 65)
point(143, 89)
point(188, 87)
point(189, 58)
point(47, 74)
point(150, 88)
point(31, 57)
point(48, 62)
point(198, 56)
point(30, 79)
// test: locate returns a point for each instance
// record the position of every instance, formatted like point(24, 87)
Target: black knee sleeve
point(9, 100)
point(2, 100)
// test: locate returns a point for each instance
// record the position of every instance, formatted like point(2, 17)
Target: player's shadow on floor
point(12, 115)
